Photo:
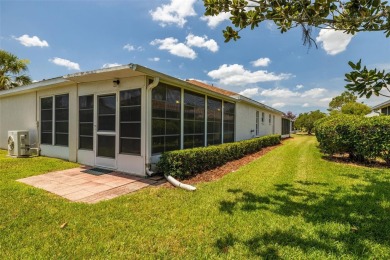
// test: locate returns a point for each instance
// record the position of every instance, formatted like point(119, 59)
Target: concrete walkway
point(77, 185)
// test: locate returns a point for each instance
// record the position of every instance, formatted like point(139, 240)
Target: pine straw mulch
point(229, 167)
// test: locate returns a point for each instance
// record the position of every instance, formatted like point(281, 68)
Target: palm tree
point(11, 71)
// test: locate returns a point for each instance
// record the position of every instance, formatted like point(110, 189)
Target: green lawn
point(290, 203)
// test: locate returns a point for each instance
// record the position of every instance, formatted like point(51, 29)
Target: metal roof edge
point(256, 103)
point(97, 71)
point(381, 105)
point(188, 85)
point(33, 86)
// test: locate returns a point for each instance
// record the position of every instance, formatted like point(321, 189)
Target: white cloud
point(154, 59)
point(201, 42)
point(325, 99)
point(262, 62)
point(174, 47)
point(299, 86)
point(279, 92)
point(250, 92)
point(65, 63)
point(214, 21)
point(110, 65)
point(314, 92)
point(130, 47)
point(175, 12)
point(333, 42)
point(33, 41)
point(306, 105)
point(236, 75)
point(278, 105)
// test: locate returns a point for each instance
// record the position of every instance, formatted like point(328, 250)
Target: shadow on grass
point(343, 159)
point(361, 212)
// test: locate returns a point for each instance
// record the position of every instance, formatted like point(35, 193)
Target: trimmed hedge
point(185, 163)
point(363, 138)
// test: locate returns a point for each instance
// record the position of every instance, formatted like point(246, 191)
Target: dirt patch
point(229, 167)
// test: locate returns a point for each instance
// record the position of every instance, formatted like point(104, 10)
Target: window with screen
point(62, 120)
point(194, 119)
point(228, 122)
point(262, 117)
point(214, 121)
point(166, 112)
point(86, 122)
point(130, 122)
point(47, 120)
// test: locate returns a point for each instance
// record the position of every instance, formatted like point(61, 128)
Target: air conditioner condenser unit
point(18, 143)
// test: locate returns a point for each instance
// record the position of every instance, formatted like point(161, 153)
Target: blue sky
point(173, 37)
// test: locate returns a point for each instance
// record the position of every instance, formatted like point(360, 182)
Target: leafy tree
point(366, 82)
point(337, 102)
point(11, 71)
point(306, 120)
point(348, 16)
point(290, 115)
point(355, 108)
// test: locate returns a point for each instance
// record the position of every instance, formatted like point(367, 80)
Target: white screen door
point(106, 132)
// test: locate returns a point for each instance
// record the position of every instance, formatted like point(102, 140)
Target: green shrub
point(189, 162)
point(361, 137)
point(336, 134)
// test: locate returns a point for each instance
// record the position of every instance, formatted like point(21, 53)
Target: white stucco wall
point(246, 121)
point(18, 113)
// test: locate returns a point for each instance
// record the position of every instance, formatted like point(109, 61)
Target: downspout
point(37, 124)
point(148, 171)
point(149, 88)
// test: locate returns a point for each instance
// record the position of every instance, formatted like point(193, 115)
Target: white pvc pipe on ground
point(177, 183)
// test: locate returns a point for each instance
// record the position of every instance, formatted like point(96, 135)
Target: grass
point(290, 203)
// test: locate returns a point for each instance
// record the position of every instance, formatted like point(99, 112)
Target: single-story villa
point(383, 108)
point(124, 117)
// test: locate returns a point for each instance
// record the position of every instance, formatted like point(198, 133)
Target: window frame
point(195, 120)
point(168, 115)
point(229, 125)
point(135, 140)
point(86, 122)
point(54, 121)
point(214, 122)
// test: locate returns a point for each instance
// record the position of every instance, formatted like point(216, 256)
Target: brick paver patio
point(76, 185)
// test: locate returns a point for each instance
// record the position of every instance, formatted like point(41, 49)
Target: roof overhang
point(41, 85)
point(384, 104)
point(258, 104)
point(117, 72)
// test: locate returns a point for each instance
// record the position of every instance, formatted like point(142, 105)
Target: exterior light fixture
point(116, 83)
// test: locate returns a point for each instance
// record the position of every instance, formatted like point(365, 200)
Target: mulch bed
point(229, 167)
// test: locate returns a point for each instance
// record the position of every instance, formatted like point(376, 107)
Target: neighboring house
point(383, 108)
point(124, 117)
